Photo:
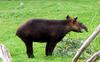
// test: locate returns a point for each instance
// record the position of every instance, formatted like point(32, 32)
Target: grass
point(12, 15)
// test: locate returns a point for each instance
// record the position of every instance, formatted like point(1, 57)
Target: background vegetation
point(13, 13)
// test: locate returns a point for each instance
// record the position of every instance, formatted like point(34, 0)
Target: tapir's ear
point(75, 18)
point(67, 17)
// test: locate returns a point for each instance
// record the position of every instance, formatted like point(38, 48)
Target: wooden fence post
point(86, 44)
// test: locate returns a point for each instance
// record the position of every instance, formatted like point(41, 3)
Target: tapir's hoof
point(48, 54)
point(31, 56)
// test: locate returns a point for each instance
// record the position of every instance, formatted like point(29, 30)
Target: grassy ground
point(12, 14)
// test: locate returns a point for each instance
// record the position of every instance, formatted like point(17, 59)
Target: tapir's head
point(75, 25)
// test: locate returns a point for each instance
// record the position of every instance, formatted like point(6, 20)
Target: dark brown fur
point(49, 31)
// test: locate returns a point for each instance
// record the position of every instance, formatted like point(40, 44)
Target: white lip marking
point(82, 30)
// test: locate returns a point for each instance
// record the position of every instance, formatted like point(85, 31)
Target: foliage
point(69, 47)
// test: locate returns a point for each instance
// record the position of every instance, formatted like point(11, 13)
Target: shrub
point(70, 46)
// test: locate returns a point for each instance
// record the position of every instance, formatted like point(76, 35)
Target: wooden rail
point(4, 54)
point(86, 43)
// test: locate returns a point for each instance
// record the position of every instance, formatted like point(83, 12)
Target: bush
point(70, 46)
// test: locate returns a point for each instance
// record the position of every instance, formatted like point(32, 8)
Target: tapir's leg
point(29, 49)
point(50, 47)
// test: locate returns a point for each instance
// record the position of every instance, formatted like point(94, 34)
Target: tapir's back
point(40, 28)
point(43, 24)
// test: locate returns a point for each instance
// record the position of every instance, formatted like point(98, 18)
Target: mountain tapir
point(49, 31)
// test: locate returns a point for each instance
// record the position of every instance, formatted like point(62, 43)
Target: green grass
point(12, 15)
